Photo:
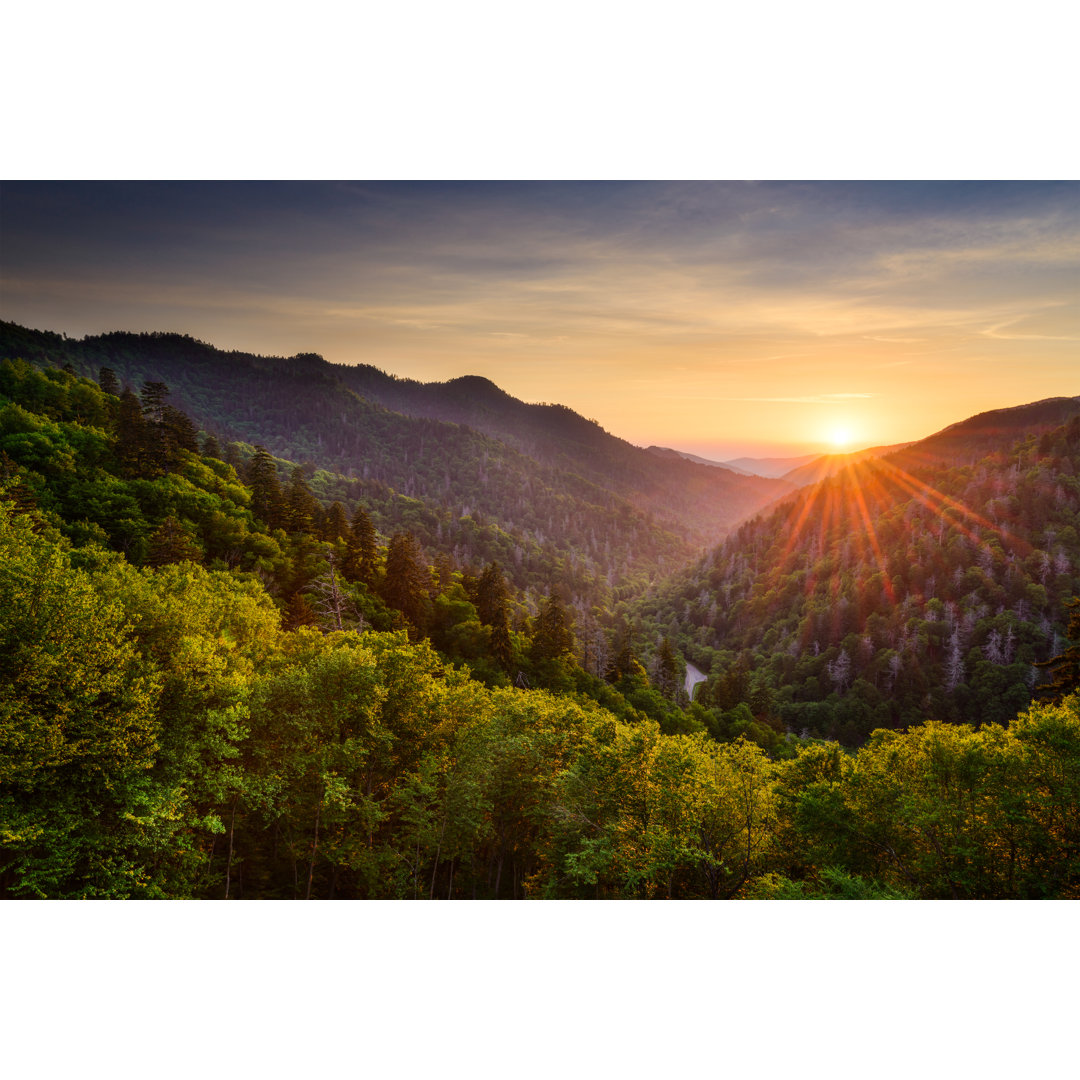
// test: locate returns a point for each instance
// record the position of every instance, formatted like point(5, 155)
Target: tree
point(300, 504)
point(553, 636)
point(1065, 667)
point(298, 613)
point(336, 524)
point(107, 381)
point(172, 544)
point(491, 594)
point(361, 552)
point(77, 729)
point(266, 498)
point(132, 436)
point(407, 579)
point(331, 602)
point(179, 433)
point(157, 457)
point(667, 678)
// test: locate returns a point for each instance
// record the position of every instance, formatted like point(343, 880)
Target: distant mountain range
point(796, 471)
point(557, 489)
point(774, 467)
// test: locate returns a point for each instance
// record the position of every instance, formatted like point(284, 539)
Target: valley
point(275, 628)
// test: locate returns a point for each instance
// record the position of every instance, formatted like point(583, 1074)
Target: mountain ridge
point(562, 477)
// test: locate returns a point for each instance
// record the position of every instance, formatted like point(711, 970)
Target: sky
point(719, 318)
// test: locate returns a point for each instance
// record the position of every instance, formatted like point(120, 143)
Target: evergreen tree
point(335, 524)
point(501, 644)
point(233, 457)
point(211, 448)
point(300, 504)
point(491, 594)
point(361, 551)
point(444, 571)
point(667, 673)
point(107, 381)
point(407, 579)
point(623, 661)
point(12, 488)
point(156, 455)
point(172, 544)
point(153, 399)
point(179, 433)
point(298, 612)
point(131, 436)
point(266, 498)
point(553, 636)
point(1065, 667)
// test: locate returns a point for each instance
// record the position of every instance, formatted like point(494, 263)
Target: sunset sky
point(718, 318)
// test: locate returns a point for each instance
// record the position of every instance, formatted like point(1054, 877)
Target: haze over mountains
point(535, 470)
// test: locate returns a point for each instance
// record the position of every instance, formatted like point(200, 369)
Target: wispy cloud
point(808, 399)
point(995, 332)
point(619, 299)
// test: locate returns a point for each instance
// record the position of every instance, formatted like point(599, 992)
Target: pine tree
point(335, 524)
point(172, 544)
point(153, 401)
point(156, 455)
point(107, 381)
point(361, 551)
point(266, 498)
point(444, 571)
point(622, 661)
point(131, 436)
point(12, 488)
point(179, 434)
point(491, 594)
point(298, 613)
point(1065, 667)
point(233, 457)
point(553, 636)
point(502, 646)
point(667, 673)
point(300, 504)
point(408, 579)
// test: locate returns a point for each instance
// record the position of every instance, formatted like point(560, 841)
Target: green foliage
point(165, 731)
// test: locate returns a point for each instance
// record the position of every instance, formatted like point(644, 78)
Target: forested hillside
point(543, 476)
point(225, 674)
point(701, 502)
point(931, 582)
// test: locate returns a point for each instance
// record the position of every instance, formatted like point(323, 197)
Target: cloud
point(808, 399)
point(995, 332)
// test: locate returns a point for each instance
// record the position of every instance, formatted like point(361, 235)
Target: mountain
point(664, 451)
point(831, 464)
point(463, 465)
point(771, 467)
point(681, 493)
point(181, 717)
point(982, 434)
point(930, 581)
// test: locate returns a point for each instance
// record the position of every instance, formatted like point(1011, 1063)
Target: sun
point(840, 437)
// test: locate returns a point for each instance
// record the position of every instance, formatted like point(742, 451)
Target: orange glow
point(840, 437)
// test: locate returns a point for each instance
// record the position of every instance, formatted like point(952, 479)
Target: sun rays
point(839, 520)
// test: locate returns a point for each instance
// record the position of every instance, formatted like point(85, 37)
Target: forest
point(228, 673)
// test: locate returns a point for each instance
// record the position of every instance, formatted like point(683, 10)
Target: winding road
point(693, 677)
